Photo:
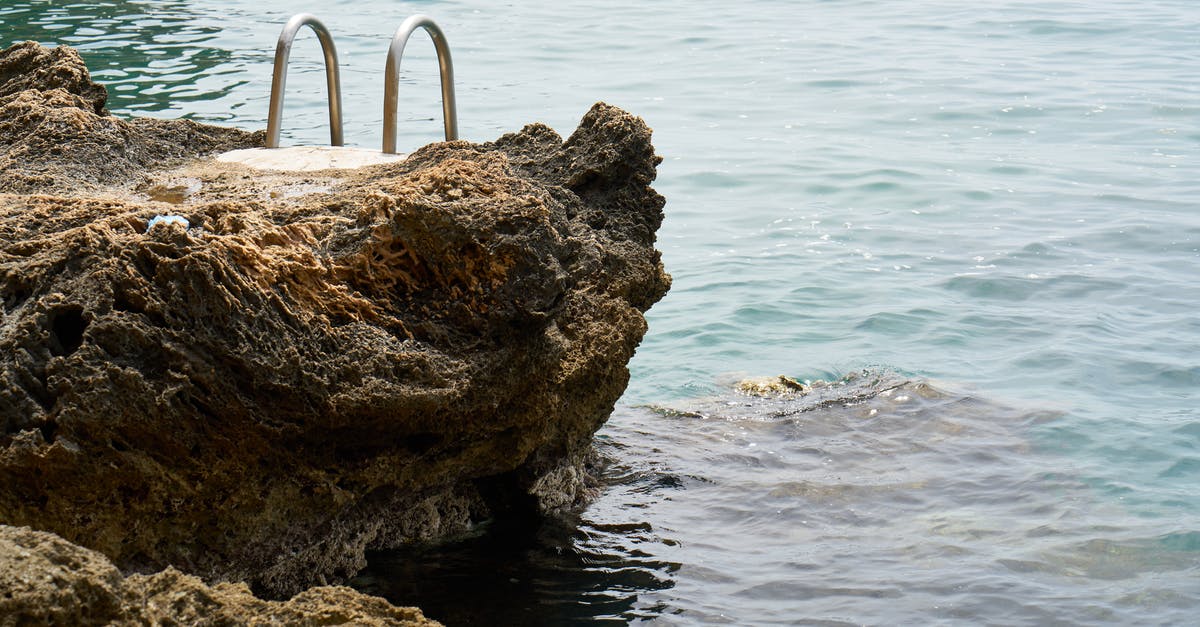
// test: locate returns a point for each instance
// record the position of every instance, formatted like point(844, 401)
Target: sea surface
point(979, 221)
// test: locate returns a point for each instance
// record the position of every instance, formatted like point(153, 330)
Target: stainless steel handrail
point(283, 50)
point(391, 86)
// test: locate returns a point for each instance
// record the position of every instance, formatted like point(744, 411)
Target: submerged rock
point(49, 581)
point(766, 386)
point(304, 367)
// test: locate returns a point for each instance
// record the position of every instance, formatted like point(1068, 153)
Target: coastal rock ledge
point(48, 581)
point(294, 369)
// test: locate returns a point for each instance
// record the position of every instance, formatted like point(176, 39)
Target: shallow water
point(878, 500)
point(999, 205)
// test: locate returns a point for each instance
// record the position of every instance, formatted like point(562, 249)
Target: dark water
point(552, 572)
point(994, 207)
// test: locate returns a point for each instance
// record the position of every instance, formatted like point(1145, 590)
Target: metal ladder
point(391, 79)
point(283, 50)
point(391, 88)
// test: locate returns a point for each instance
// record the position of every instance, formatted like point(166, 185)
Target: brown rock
point(29, 66)
point(45, 580)
point(55, 134)
point(317, 365)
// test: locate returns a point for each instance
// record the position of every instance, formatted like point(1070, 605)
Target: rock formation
point(55, 134)
point(312, 366)
point(46, 580)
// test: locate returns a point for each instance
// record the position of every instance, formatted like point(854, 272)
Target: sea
point(971, 229)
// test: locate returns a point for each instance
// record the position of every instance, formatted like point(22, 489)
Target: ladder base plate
point(308, 158)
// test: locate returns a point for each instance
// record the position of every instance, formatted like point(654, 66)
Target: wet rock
point(767, 386)
point(48, 581)
point(277, 382)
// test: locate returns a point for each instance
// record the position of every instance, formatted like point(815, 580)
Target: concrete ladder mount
point(391, 86)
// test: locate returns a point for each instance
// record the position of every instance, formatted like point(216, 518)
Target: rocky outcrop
point(28, 66)
point(46, 580)
point(55, 134)
point(304, 368)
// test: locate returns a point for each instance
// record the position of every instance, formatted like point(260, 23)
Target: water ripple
point(1003, 196)
point(937, 501)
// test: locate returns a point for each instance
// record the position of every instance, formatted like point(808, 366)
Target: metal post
point(391, 86)
point(283, 50)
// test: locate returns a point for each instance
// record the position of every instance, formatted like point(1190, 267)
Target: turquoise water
point(999, 205)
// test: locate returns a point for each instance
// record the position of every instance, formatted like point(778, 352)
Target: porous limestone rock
point(45, 580)
point(55, 134)
point(316, 364)
point(28, 66)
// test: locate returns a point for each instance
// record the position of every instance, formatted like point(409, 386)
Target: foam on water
point(1001, 199)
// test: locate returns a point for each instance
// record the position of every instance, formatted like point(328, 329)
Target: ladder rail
point(283, 50)
point(391, 87)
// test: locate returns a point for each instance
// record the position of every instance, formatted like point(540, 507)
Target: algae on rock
point(319, 364)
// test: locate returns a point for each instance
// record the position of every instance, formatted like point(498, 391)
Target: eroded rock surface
point(56, 136)
point(45, 580)
point(317, 365)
